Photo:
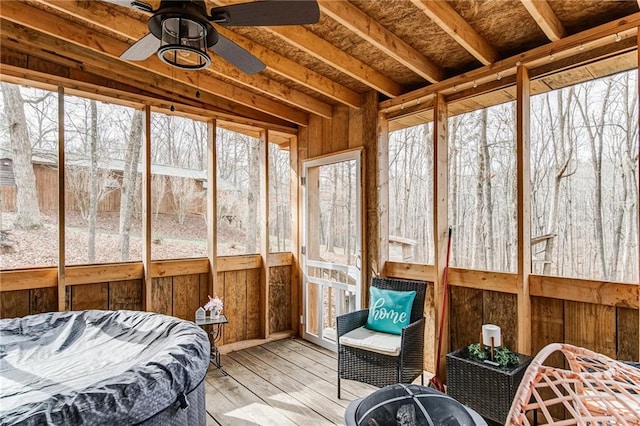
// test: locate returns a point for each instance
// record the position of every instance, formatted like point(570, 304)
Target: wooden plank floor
point(280, 383)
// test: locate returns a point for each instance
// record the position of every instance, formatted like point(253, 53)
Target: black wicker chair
point(375, 368)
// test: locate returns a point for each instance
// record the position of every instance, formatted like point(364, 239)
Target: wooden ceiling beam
point(38, 45)
point(364, 26)
point(585, 41)
point(100, 44)
point(545, 18)
point(453, 24)
point(326, 52)
point(110, 19)
point(295, 72)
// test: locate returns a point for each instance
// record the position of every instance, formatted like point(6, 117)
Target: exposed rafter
point(289, 69)
point(104, 16)
point(364, 26)
point(545, 18)
point(453, 24)
point(293, 71)
point(100, 44)
point(41, 46)
point(321, 49)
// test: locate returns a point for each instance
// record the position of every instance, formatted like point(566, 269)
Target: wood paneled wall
point(602, 317)
point(174, 293)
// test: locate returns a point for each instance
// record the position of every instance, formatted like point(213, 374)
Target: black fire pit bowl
point(409, 405)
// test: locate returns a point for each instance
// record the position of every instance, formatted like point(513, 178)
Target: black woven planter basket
point(488, 390)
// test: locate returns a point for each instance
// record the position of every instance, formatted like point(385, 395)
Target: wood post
point(296, 212)
point(212, 196)
point(383, 193)
point(264, 232)
point(638, 165)
point(146, 210)
point(440, 219)
point(62, 290)
point(523, 169)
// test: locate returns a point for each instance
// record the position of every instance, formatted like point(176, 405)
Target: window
point(279, 199)
point(584, 194)
point(238, 182)
point(411, 194)
point(178, 187)
point(28, 177)
point(103, 144)
point(482, 189)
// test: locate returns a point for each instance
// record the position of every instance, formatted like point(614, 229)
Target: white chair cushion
point(374, 341)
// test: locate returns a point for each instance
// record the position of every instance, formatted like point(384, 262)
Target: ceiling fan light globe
point(183, 43)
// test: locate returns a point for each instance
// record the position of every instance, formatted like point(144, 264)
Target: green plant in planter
point(502, 356)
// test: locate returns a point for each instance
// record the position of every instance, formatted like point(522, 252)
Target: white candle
point(489, 331)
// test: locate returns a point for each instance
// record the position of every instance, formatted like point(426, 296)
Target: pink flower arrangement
point(214, 303)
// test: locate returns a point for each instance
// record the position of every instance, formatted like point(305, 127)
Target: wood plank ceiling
point(390, 46)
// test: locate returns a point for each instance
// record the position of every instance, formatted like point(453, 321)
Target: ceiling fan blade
point(237, 56)
point(142, 49)
point(268, 13)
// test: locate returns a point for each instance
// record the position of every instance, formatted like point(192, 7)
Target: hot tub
point(102, 368)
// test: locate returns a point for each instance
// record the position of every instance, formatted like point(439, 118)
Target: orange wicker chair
point(597, 390)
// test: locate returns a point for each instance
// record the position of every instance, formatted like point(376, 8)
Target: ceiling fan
point(180, 31)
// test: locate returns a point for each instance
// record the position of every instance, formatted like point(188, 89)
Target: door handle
point(358, 262)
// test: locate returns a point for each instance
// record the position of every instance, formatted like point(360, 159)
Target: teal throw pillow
point(389, 310)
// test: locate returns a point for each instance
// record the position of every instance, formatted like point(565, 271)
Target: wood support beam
point(523, 167)
point(321, 49)
point(104, 45)
point(545, 18)
point(146, 210)
point(93, 85)
point(638, 161)
point(105, 17)
point(364, 26)
point(587, 40)
point(295, 72)
point(263, 209)
point(295, 195)
point(440, 220)
point(324, 51)
point(453, 24)
point(383, 192)
point(62, 290)
point(273, 61)
point(212, 206)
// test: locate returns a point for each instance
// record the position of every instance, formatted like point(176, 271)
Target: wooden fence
point(47, 184)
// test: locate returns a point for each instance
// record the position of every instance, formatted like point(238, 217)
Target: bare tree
point(94, 181)
point(130, 183)
point(563, 149)
point(28, 211)
point(594, 126)
point(158, 191)
point(253, 198)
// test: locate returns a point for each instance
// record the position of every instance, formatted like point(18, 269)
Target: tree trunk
point(253, 231)
point(28, 211)
point(595, 131)
point(563, 154)
point(129, 183)
point(490, 262)
point(331, 226)
point(477, 256)
point(94, 183)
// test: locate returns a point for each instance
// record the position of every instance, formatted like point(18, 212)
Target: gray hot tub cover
point(97, 367)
